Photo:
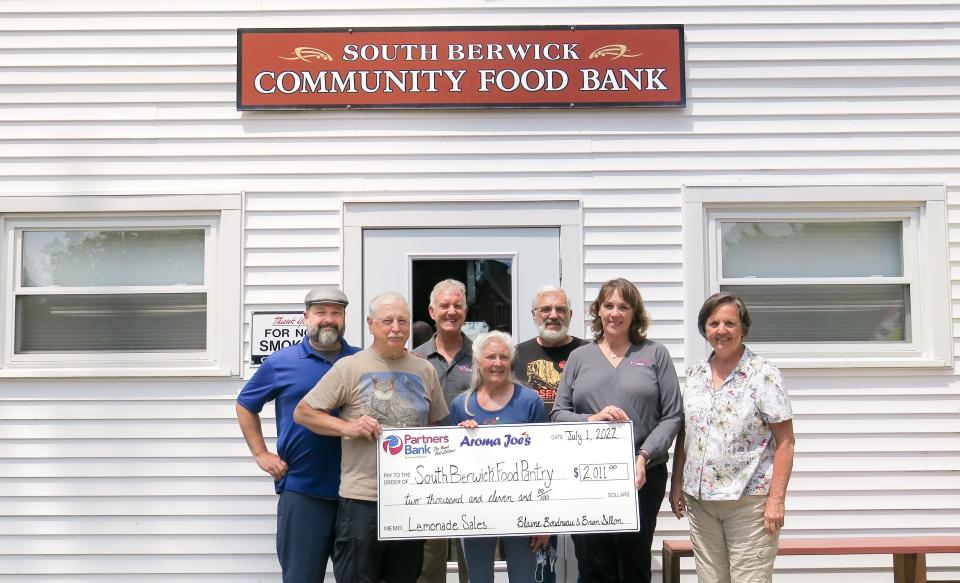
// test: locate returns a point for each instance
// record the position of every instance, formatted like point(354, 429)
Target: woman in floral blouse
point(730, 476)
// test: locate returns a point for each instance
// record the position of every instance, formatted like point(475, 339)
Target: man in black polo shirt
point(449, 351)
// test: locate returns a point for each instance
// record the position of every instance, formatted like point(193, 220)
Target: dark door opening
point(489, 286)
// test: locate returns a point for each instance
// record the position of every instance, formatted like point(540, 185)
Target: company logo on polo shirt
point(464, 368)
point(392, 445)
point(639, 363)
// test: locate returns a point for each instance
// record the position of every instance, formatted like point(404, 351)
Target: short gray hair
point(447, 283)
point(548, 289)
point(386, 297)
point(717, 300)
point(479, 343)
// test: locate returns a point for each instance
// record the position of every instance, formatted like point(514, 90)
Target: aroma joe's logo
point(507, 440)
point(413, 444)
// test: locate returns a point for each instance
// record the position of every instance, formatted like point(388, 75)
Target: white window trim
point(925, 205)
point(220, 216)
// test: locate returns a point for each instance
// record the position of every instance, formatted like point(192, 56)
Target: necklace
point(609, 353)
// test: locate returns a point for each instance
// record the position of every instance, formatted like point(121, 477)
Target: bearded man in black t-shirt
point(540, 361)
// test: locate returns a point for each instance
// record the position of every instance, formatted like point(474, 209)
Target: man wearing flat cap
point(306, 467)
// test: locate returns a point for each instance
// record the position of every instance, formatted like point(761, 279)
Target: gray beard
point(551, 336)
point(324, 336)
point(327, 336)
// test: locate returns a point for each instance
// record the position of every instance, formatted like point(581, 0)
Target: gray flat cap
point(325, 295)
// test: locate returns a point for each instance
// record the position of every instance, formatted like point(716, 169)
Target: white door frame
point(380, 213)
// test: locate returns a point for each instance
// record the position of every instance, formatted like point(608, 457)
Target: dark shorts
point(305, 536)
point(358, 557)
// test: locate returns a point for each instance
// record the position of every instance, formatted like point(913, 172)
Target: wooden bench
point(909, 552)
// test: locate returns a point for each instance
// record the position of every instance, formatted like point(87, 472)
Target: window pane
point(827, 313)
point(489, 286)
point(776, 249)
point(102, 258)
point(111, 323)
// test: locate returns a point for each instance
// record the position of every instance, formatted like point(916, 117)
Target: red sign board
point(552, 66)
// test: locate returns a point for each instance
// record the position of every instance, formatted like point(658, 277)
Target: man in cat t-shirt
point(380, 386)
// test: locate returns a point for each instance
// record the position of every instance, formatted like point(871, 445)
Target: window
point(134, 294)
point(833, 276)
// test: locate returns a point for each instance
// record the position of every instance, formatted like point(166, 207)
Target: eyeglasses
point(546, 310)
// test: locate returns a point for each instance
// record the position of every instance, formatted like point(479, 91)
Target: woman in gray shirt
point(623, 376)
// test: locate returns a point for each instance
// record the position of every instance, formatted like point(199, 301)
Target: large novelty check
point(501, 480)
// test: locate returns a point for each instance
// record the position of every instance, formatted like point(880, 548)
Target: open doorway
point(489, 285)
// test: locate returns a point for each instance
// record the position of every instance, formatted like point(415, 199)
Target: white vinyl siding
point(149, 480)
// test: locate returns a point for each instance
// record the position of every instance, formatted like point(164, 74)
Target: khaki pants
point(435, 561)
point(729, 544)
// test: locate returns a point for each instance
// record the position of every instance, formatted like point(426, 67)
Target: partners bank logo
point(413, 445)
point(392, 445)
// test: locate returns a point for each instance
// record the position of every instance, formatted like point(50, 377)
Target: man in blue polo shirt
point(306, 467)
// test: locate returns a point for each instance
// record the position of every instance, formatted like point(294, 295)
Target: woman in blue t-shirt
point(492, 399)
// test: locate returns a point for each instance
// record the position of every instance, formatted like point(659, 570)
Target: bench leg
point(671, 567)
point(910, 568)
